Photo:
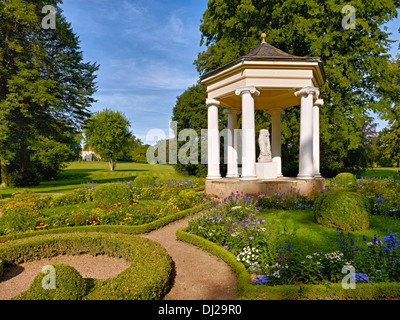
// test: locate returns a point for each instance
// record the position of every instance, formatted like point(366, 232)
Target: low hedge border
point(147, 278)
point(331, 291)
point(144, 228)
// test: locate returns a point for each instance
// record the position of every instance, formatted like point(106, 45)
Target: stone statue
point(265, 146)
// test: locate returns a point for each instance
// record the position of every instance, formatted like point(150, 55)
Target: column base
point(305, 176)
point(249, 178)
point(317, 175)
point(213, 177)
point(232, 175)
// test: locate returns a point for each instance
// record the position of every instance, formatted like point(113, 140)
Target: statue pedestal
point(267, 170)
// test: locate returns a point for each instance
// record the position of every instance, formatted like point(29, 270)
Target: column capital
point(212, 102)
point(247, 89)
point(232, 110)
point(306, 91)
point(319, 103)
point(278, 111)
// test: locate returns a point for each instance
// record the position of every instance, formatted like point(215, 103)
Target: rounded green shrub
point(346, 179)
point(107, 195)
point(344, 209)
point(61, 283)
point(144, 181)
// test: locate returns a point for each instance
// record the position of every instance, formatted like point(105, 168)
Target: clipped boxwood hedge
point(69, 285)
point(331, 291)
point(345, 209)
point(147, 278)
point(108, 194)
point(346, 179)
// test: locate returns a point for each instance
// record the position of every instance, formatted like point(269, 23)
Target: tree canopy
point(45, 88)
point(107, 132)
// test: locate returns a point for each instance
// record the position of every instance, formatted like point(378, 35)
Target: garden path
point(199, 275)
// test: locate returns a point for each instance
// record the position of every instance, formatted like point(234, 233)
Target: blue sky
point(146, 50)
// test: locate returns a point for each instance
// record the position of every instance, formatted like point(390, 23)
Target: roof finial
point(263, 36)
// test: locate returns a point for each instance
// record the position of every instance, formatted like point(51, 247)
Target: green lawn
point(81, 172)
point(309, 234)
point(380, 172)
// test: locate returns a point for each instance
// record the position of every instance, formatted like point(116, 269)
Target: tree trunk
point(4, 175)
point(111, 164)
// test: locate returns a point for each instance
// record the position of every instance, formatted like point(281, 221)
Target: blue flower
point(261, 279)
point(362, 277)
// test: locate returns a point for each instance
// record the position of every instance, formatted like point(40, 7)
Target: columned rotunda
point(266, 78)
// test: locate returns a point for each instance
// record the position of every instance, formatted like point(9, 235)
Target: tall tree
point(107, 132)
point(389, 137)
point(356, 60)
point(45, 87)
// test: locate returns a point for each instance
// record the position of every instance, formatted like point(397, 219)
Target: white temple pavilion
point(266, 78)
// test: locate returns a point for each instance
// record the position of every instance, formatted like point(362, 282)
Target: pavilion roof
point(265, 52)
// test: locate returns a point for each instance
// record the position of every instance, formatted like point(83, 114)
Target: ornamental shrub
point(346, 179)
point(107, 195)
point(69, 285)
point(344, 209)
point(144, 181)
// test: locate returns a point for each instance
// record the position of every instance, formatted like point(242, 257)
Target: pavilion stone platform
point(224, 187)
point(264, 79)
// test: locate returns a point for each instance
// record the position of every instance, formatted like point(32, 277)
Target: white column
point(248, 132)
point(213, 139)
point(276, 138)
point(306, 167)
point(316, 144)
point(232, 151)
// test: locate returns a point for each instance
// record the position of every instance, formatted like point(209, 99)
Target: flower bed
point(28, 212)
point(268, 251)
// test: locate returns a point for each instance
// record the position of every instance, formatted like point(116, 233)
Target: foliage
point(50, 157)
point(185, 199)
point(68, 198)
point(45, 89)
point(74, 218)
point(189, 113)
point(288, 201)
point(144, 181)
point(69, 285)
point(347, 210)
point(383, 194)
point(22, 213)
point(132, 214)
point(346, 179)
point(107, 132)
point(107, 195)
point(234, 225)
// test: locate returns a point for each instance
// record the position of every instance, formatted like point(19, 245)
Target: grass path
point(199, 275)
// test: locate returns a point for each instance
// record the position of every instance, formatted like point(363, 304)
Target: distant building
point(89, 155)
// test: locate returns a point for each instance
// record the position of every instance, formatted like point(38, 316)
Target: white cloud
point(133, 74)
